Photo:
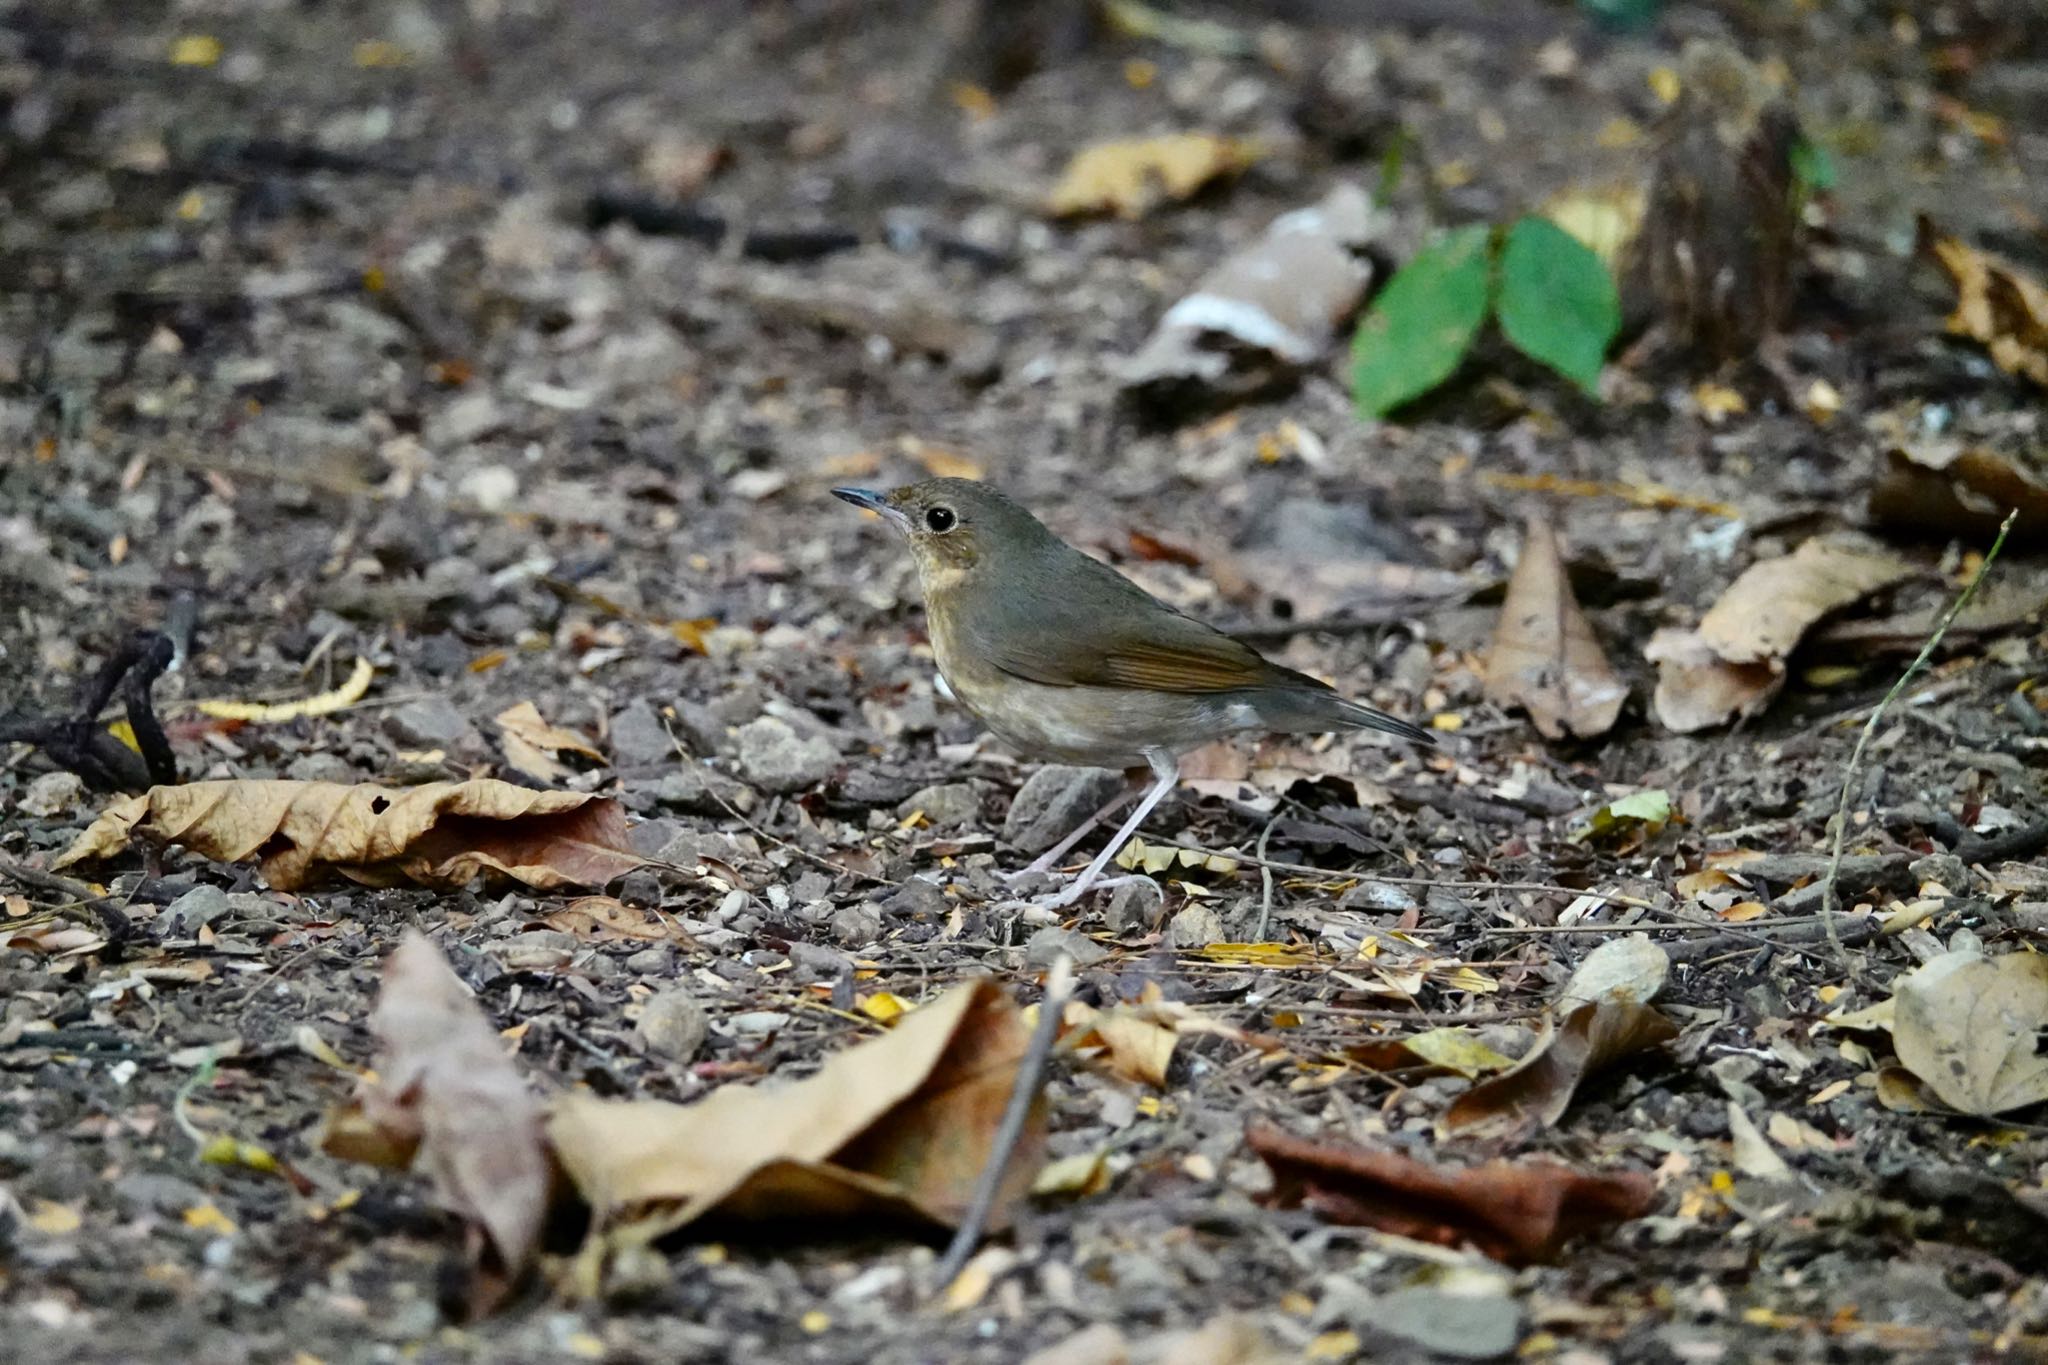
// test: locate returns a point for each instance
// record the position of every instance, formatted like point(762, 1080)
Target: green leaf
point(1623, 14)
point(1423, 322)
point(1649, 811)
point(1558, 304)
point(1813, 170)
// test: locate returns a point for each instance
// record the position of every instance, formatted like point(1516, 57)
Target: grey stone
point(650, 837)
point(1195, 926)
point(1462, 1326)
point(200, 906)
point(639, 740)
point(320, 767)
point(672, 1024)
point(1945, 868)
point(1053, 801)
point(429, 723)
point(917, 899)
point(657, 961)
point(702, 731)
point(148, 1190)
point(856, 925)
point(816, 962)
point(1046, 946)
point(52, 794)
point(950, 805)
point(1133, 907)
point(641, 888)
point(695, 788)
point(775, 757)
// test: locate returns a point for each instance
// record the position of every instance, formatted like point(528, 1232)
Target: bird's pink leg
point(1048, 860)
point(1167, 770)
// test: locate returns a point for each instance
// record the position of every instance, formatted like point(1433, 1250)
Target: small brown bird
point(1065, 658)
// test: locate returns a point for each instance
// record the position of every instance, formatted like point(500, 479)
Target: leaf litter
point(439, 834)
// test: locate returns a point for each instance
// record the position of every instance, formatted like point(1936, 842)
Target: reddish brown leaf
point(1516, 1212)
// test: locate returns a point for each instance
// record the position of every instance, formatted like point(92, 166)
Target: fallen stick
point(1059, 983)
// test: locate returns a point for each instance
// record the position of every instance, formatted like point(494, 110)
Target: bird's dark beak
point(869, 500)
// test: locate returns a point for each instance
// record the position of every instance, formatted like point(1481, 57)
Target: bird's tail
point(1300, 711)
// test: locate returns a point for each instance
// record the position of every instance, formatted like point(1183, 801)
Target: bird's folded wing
point(1164, 653)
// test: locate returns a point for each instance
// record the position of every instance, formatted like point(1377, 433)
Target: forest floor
point(304, 311)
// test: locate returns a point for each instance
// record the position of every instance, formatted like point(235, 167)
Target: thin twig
point(1030, 1076)
point(1265, 879)
point(1829, 896)
point(1333, 874)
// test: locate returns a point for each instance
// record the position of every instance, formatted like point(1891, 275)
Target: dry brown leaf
point(1997, 304)
point(531, 744)
point(440, 834)
point(608, 919)
point(1540, 1088)
point(1139, 1046)
point(446, 1100)
point(1132, 176)
point(1766, 612)
point(897, 1125)
point(1515, 1212)
point(1698, 689)
point(1734, 663)
point(1950, 489)
point(1544, 656)
point(1969, 1027)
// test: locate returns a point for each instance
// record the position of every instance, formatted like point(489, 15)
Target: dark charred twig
point(79, 743)
point(114, 921)
point(2023, 842)
point(1023, 1095)
point(1829, 896)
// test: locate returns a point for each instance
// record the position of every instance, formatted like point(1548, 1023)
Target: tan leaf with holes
point(441, 834)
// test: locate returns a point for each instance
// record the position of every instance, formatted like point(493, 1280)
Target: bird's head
point(958, 530)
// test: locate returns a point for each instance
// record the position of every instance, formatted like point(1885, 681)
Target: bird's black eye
point(941, 519)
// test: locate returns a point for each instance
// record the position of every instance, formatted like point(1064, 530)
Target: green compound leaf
point(1423, 322)
point(1558, 305)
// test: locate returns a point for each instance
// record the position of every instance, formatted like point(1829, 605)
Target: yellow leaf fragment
point(350, 692)
point(1131, 177)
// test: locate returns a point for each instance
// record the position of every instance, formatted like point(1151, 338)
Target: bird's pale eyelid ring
point(940, 519)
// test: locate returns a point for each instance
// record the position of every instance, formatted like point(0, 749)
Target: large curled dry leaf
point(1539, 1090)
point(447, 1101)
point(899, 1125)
point(1969, 1027)
point(1519, 1213)
point(1997, 304)
point(440, 834)
point(1544, 657)
point(1132, 176)
point(1768, 610)
point(1734, 663)
point(1947, 488)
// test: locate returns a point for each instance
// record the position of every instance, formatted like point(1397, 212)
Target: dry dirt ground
point(304, 310)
